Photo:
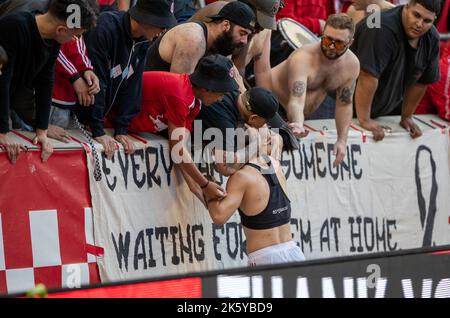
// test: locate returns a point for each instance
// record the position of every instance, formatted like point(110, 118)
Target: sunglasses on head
point(338, 44)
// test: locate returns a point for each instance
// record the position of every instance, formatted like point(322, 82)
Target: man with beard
point(398, 61)
point(180, 49)
point(258, 45)
point(303, 81)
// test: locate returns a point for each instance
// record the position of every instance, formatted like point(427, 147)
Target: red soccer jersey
point(166, 97)
point(72, 62)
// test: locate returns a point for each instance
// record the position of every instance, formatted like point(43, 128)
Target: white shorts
point(276, 254)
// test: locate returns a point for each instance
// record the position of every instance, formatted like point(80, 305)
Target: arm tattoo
point(299, 88)
point(345, 95)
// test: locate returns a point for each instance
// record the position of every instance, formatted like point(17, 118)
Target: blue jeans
point(59, 117)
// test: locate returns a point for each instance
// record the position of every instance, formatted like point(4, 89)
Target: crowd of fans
point(156, 65)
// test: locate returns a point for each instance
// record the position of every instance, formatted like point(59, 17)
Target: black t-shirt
point(223, 115)
point(31, 62)
point(386, 54)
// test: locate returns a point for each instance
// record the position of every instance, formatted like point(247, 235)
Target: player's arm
point(181, 156)
point(221, 210)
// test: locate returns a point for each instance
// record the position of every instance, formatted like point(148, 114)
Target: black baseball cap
point(158, 13)
point(263, 103)
point(238, 13)
point(215, 73)
point(266, 11)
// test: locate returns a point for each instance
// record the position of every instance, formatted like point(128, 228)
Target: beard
point(335, 56)
point(224, 44)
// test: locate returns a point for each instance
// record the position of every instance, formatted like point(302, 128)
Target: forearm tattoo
point(299, 88)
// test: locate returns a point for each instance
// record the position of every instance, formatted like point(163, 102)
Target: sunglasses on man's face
point(338, 44)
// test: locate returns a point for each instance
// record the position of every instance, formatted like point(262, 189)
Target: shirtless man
point(180, 49)
point(302, 82)
point(258, 191)
point(259, 43)
point(358, 10)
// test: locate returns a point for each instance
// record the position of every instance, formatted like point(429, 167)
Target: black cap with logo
point(238, 13)
point(261, 102)
point(215, 73)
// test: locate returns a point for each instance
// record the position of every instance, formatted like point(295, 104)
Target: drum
point(295, 33)
point(289, 36)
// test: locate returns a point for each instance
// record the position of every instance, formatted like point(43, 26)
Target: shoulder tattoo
point(298, 88)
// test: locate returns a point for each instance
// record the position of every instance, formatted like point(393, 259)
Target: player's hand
point(214, 191)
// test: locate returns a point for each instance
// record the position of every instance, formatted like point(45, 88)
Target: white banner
point(385, 196)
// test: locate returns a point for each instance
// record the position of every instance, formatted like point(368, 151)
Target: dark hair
point(430, 5)
point(61, 11)
point(3, 56)
point(341, 21)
